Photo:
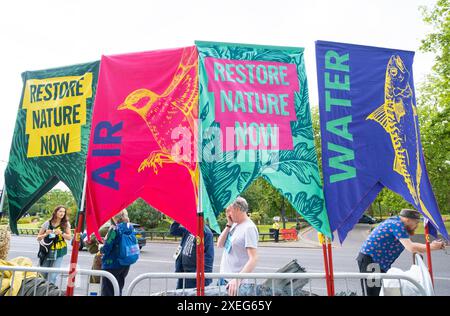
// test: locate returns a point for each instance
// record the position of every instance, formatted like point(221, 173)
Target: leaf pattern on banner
point(272, 55)
point(218, 178)
point(289, 196)
point(205, 111)
point(27, 179)
point(243, 180)
point(301, 162)
point(225, 180)
point(310, 209)
point(300, 130)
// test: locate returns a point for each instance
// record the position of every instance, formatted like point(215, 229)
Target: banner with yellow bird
point(143, 136)
point(256, 122)
point(370, 132)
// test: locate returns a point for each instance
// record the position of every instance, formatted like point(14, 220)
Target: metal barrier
point(166, 236)
point(63, 272)
point(273, 276)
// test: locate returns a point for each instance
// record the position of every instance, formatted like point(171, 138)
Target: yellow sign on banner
point(56, 110)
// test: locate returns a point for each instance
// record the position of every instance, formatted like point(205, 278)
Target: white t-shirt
point(241, 236)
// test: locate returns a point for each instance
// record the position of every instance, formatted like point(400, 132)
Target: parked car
point(366, 219)
point(140, 236)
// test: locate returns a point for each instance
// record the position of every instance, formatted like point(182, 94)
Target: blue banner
point(370, 132)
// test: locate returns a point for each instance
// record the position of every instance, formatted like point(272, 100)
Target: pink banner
point(142, 138)
point(249, 97)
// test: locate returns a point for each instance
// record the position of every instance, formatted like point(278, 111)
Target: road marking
point(441, 278)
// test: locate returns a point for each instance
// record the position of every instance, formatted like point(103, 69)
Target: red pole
point(76, 242)
point(427, 239)
point(325, 260)
point(74, 256)
point(330, 266)
point(200, 256)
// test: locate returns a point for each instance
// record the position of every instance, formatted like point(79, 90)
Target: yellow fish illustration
point(395, 117)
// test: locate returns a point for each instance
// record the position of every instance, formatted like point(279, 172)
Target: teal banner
point(255, 122)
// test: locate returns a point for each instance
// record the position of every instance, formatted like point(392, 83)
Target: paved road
point(157, 257)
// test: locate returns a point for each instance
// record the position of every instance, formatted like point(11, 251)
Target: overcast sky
point(40, 34)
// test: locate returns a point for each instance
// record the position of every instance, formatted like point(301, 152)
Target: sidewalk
point(302, 242)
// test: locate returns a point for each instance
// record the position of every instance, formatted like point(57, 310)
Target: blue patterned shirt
point(383, 243)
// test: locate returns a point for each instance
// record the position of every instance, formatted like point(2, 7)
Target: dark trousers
point(120, 275)
point(363, 263)
point(276, 234)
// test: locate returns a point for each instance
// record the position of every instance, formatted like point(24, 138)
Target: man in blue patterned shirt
point(385, 244)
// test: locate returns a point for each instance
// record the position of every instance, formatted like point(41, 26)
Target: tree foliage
point(46, 204)
point(434, 103)
point(142, 213)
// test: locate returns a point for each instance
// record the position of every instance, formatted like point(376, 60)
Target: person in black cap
point(385, 244)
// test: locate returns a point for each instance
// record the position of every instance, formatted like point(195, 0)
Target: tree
point(142, 213)
point(434, 103)
point(49, 201)
point(264, 198)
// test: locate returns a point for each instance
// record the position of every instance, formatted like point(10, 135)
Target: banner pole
point(325, 261)
point(200, 243)
point(76, 242)
point(3, 198)
point(330, 265)
point(427, 239)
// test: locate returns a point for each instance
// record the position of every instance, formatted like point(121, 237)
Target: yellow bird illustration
point(171, 115)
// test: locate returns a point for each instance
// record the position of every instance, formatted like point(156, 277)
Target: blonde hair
point(122, 216)
point(5, 237)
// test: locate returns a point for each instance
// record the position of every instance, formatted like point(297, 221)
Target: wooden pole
point(3, 198)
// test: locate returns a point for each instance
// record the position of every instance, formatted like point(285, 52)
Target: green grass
point(28, 226)
point(265, 228)
point(420, 229)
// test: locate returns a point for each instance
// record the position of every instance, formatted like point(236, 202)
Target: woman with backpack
point(54, 233)
point(120, 250)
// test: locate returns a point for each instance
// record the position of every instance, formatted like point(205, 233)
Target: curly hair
point(5, 237)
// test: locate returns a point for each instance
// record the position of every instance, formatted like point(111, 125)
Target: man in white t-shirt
point(240, 241)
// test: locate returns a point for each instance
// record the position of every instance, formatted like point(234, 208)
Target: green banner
point(255, 122)
point(51, 135)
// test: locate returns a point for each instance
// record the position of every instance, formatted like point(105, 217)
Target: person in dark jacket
point(186, 254)
point(110, 252)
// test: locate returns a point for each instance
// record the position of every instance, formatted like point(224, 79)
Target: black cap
point(408, 213)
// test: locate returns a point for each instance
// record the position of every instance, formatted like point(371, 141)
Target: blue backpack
point(128, 248)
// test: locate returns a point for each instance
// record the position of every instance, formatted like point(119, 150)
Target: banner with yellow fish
point(370, 132)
